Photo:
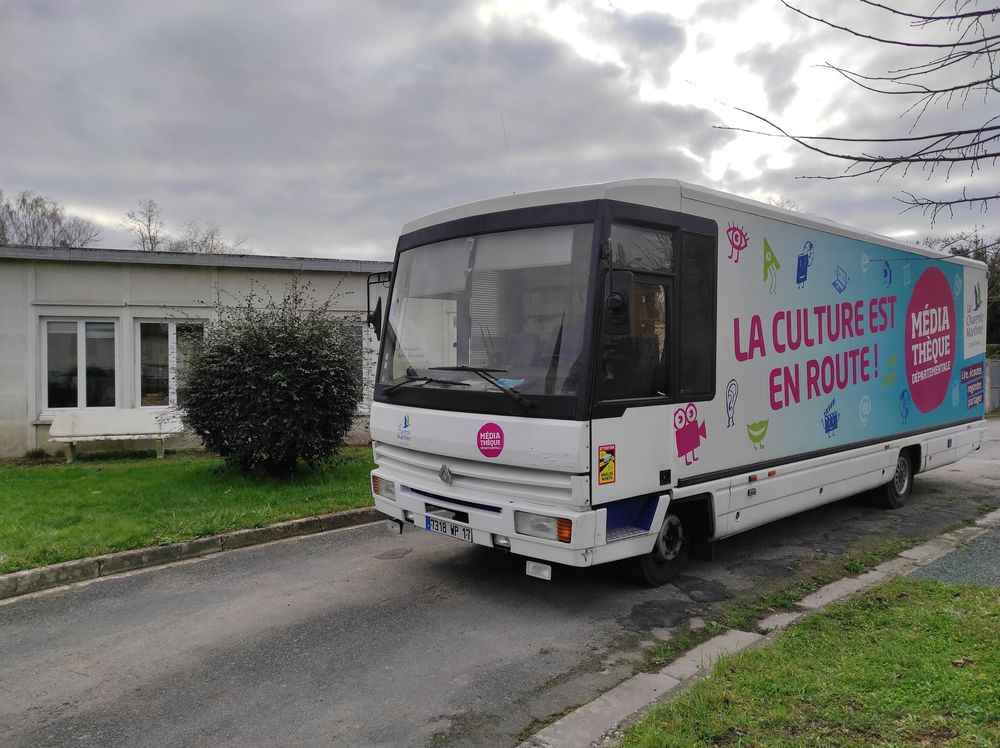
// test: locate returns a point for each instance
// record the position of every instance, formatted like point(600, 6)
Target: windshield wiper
point(487, 375)
point(422, 380)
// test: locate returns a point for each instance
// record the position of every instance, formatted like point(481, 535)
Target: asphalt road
point(976, 563)
point(357, 637)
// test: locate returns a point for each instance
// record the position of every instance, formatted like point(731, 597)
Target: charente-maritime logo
point(403, 429)
point(975, 320)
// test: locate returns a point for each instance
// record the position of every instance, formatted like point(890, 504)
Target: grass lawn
point(907, 663)
point(56, 512)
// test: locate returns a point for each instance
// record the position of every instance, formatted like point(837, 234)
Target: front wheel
point(894, 493)
point(665, 561)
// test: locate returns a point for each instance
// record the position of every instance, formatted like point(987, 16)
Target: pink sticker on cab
point(490, 440)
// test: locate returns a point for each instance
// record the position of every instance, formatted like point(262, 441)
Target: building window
point(75, 381)
point(164, 347)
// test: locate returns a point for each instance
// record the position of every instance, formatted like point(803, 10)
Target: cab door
point(632, 415)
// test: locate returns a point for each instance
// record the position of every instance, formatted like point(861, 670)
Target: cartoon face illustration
point(738, 241)
point(688, 433)
point(805, 260)
point(771, 266)
point(756, 432)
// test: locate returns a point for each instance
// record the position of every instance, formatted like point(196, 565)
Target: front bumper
point(487, 520)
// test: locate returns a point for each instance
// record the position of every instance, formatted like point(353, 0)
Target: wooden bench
point(114, 424)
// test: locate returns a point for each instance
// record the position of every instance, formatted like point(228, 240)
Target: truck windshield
point(512, 302)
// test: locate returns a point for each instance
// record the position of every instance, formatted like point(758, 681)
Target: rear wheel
point(895, 493)
point(669, 554)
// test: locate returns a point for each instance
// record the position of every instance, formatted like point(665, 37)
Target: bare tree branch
point(973, 43)
point(896, 42)
point(935, 207)
point(926, 19)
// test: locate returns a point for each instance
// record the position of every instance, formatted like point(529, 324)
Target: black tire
point(668, 557)
point(895, 493)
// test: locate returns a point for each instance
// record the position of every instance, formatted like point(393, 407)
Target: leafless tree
point(78, 232)
point(146, 224)
point(946, 74)
point(35, 221)
point(206, 239)
point(780, 201)
point(151, 235)
point(977, 246)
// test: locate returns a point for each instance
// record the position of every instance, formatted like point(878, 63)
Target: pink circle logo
point(490, 440)
point(930, 340)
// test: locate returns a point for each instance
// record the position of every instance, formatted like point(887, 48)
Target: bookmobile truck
point(635, 370)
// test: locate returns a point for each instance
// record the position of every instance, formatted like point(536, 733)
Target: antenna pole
point(507, 145)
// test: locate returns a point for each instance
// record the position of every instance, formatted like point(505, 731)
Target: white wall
point(15, 414)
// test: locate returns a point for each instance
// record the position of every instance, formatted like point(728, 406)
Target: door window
point(635, 365)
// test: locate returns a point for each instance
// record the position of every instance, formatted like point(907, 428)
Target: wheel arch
point(698, 513)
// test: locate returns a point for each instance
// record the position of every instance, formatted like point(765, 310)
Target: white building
point(96, 328)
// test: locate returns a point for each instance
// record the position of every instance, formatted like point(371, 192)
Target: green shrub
point(993, 350)
point(273, 383)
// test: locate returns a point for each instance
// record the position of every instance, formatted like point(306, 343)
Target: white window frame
point(171, 357)
point(81, 363)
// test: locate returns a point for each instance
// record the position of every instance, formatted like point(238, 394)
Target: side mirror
point(375, 318)
point(617, 319)
point(375, 315)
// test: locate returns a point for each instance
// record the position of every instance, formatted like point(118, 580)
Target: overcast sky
point(318, 127)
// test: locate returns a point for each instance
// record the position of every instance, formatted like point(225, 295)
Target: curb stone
point(578, 728)
point(592, 725)
point(80, 570)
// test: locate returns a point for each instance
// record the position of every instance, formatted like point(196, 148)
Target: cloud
point(317, 130)
point(649, 43)
point(776, 65)
point(320, 128)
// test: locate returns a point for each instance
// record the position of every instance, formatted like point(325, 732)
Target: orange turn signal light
point(564, 529)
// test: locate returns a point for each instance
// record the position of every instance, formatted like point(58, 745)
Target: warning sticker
point(606, 469)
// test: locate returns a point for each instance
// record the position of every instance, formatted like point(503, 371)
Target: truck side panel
point(826, 342)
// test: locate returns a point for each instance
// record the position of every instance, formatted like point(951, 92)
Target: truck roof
point(667, 194)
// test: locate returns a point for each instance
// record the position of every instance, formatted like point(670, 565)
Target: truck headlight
point(384, 488)
point(543, 526)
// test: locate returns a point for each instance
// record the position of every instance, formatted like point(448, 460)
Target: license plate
point(448, 528)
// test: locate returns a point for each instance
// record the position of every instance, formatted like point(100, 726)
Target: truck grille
point(480, 482)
